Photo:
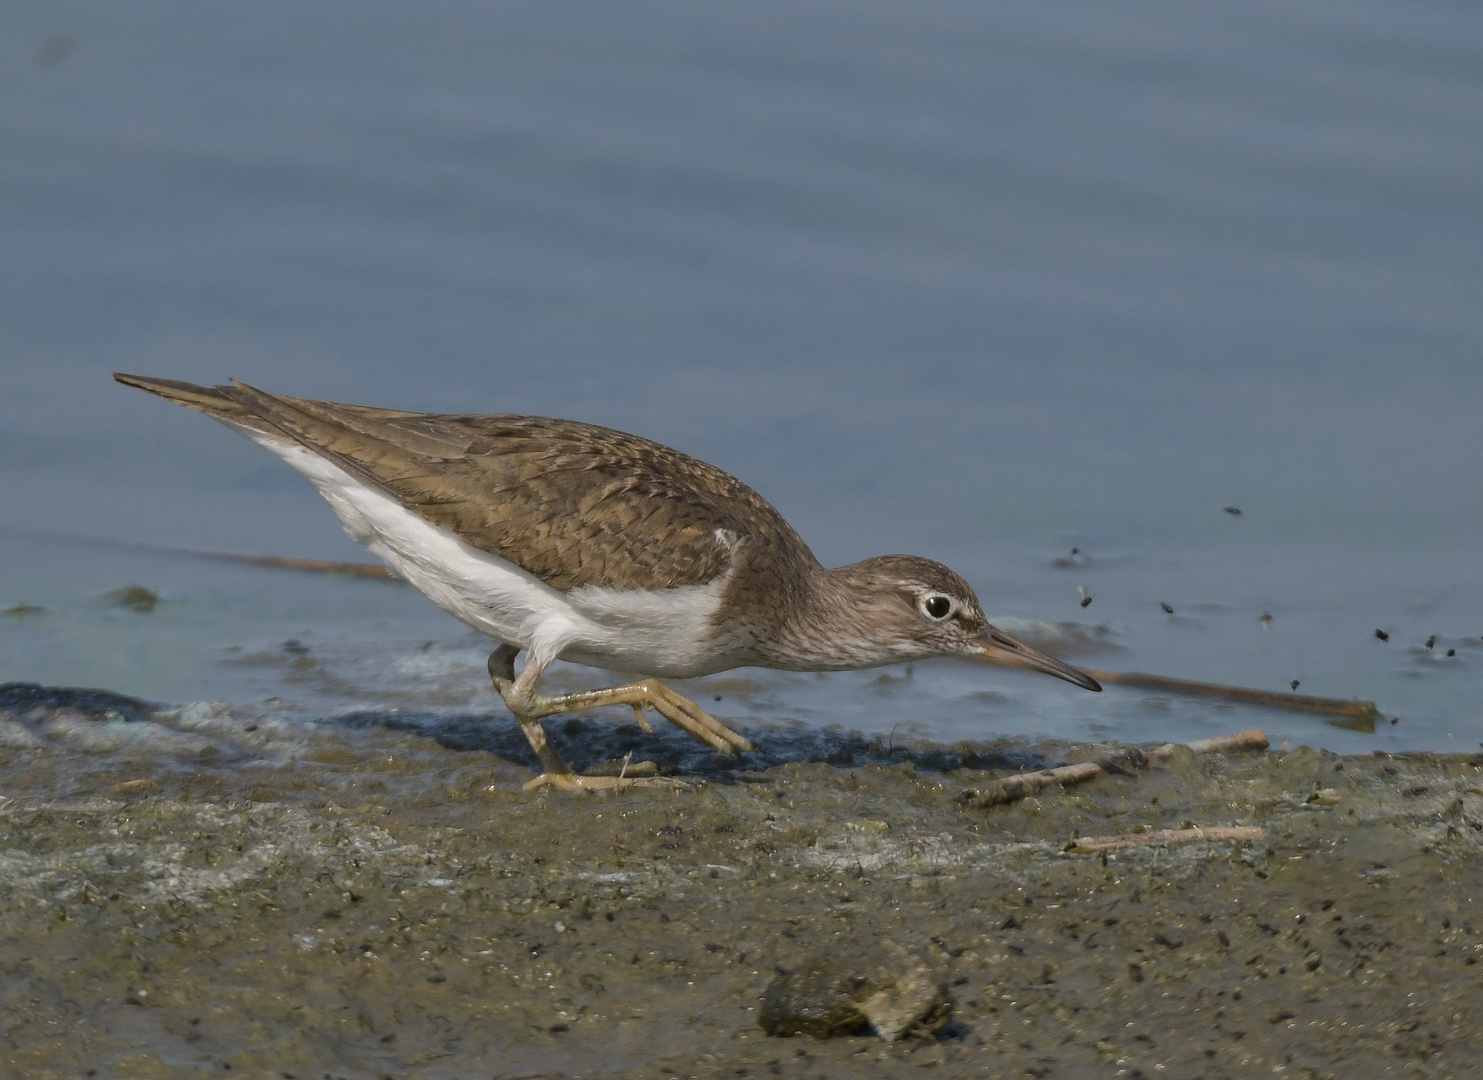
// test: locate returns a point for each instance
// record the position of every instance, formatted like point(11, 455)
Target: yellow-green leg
point(529, 708)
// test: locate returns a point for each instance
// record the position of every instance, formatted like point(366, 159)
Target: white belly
point(666, 632)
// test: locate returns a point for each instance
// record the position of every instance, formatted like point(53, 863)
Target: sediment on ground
point(376, 902)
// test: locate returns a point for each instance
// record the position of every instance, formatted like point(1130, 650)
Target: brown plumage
point(596, 513)
point(572, 503)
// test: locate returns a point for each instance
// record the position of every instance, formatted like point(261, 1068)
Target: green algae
point(134, 597)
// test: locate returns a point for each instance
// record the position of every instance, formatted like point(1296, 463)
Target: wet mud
point(214, 891)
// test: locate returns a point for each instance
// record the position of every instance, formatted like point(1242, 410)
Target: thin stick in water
point(1362, 711)
point(313, 566)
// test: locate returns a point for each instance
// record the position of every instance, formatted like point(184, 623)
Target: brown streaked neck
point(828, 621)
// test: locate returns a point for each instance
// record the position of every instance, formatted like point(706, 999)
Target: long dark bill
point(1000, 648)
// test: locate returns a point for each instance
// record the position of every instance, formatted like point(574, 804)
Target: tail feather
point(349, 435)
point(206, 399)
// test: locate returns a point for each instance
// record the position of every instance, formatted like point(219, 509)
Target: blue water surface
point(985, 283)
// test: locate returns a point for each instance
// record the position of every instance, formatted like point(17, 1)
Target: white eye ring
point(938, 607)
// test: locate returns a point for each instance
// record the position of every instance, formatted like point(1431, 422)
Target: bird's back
point(570, 503)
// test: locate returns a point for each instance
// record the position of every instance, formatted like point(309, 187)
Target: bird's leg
point(554, 771)
point(528, 706)
point(502, 673)
point(648, 694)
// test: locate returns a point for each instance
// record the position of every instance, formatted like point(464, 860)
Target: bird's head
point(902, 607)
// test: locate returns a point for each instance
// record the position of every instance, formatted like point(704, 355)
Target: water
point(981, 283)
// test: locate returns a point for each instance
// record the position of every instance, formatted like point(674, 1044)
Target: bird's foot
point(570, 781)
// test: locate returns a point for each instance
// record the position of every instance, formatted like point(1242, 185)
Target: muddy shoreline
point(379, 902)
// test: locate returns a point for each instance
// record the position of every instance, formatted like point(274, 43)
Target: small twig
point(891, 740)
point(1011, 788)
point(1361, 711)
point(1008, 789)
point(1241, 834)
point(1254, 739)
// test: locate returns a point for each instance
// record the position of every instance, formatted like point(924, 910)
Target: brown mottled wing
point(570, 503)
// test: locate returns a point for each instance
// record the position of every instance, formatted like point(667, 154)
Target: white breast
point(666, 632)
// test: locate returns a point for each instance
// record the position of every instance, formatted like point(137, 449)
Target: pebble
point(878, 986)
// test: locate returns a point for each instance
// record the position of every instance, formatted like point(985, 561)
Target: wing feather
point(571, 503)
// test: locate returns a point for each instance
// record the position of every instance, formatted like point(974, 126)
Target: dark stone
point(877, 987)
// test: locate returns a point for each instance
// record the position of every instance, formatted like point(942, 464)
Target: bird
point(569, 541)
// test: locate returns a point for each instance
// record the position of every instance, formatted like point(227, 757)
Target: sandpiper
point(574, 542)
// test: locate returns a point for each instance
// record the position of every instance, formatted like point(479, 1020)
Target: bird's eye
point(937, 607)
